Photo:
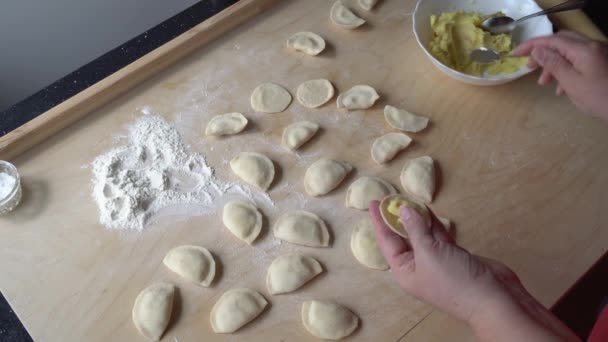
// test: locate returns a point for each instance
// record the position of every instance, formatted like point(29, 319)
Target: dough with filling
point(365, 247)
point(343, 17)
point(243, 220)
point(194, 263)
point(328, 320)
point(226, 124)
point(367, 4)
point(403, 120)
point(235, 308)
point(390, 210)
point(288, 273)
point(302, 228)
point(298, 134)
point(270, 98)
point(324, 175)
point(418, 178)
point(358, 97)
point(253, 168)
point(385, 148)
point(315, 93)
point(366, 189)
point(308, 42)
point(152, 310)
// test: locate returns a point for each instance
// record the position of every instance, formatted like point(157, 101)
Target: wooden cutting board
point(522, 175)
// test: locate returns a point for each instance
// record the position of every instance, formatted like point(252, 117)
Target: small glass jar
point(11, 199)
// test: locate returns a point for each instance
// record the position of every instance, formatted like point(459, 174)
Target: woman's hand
point(578, 64)
point(482, 292)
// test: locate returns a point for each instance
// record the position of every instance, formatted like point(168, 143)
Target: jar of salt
point(10, 187)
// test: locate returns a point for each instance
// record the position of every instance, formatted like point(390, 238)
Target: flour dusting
point(151, 172)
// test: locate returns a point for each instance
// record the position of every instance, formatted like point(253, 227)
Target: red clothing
point(599, 333)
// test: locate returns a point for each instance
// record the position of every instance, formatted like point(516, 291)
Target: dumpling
point(390, 210)
point(366, 189)
point(270, 98)
point(385, 148)
point(308, 42)
point(299, 133)
point(358, 97)
point(365, 247)
point(288, 273)
point(302, 228)
point(152, 310)
point(226, 124)
point(254, 168)
point(194, 263)
point(243, 220)
point(328, 320)
point(315, 93)
point(324, 175)
point(403, 120)
point(367, 4)
point(235, 308)
point(418, 178)
point(344, 17)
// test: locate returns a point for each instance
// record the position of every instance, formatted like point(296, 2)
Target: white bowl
point(539, 26)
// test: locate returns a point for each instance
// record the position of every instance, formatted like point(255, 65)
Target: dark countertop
point(11, 328)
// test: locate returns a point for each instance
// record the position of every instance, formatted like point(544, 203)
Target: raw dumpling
point(367, 4)
point(366, 189)
point(365, 247)
point(152, 310)
point(302, 228)
point(390, 210)
point(288, 273)
point(385, 148)
point(446, 223)
point(226, 124)
point(404, 120)
point(324, 175)
point(235, 308)
point(243, 220)
point(254, 168)
point(194, 263)
point(358, 97)
point(308, 42)
point(270, 98)
point(314, 93)
point(344, 17)
point(328, 320)
point(299, 133)
point(418, 178)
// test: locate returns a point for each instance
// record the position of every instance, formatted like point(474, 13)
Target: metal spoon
point(506, 24)
point(485, 55)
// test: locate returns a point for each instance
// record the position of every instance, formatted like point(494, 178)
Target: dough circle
point(254, 168)
point(288, 273)
point(418, 178)
point(298, 134)
point(194, 263)
point(328, 320)
point(235, 308)
point(308, 42)
point(403, 120)
point(243, 220)
point(385, 148)
point(324, 175)
point(226, 124)
point(358, 97)
point(394, 221)
point(365, 247)
point(315, 93)
point(343, 17)
point(270, 98)
point(366, 189)
point(152, 310)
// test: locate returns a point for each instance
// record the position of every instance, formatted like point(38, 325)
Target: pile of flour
point(151, 172)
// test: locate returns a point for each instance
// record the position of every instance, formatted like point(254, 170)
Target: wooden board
point(522, 176)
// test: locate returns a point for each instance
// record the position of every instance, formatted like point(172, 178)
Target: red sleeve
point(599, 333)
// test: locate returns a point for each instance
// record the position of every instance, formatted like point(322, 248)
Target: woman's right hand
point(578, 64)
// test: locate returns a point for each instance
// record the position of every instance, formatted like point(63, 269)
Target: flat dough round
point(152, 310)
point(253, 168)
point(328, 320)
point(315, 93)
point(298, 134)
point(302, 228)
point(393, 221)
point(308, 42)
point(367, 4)
point(288, 273)
point(358, 97)
point(226, 124)
point(235, 308)
point(418, 178)
point(344, 17)
point(243, 220)
point(365, 247)
point(385, 148)
point(403, 120)
point(194, 263)
point(325, 175)
point(270, 98)
point(366, 189)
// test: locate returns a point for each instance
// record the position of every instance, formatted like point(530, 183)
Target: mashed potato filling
point(456, 34)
